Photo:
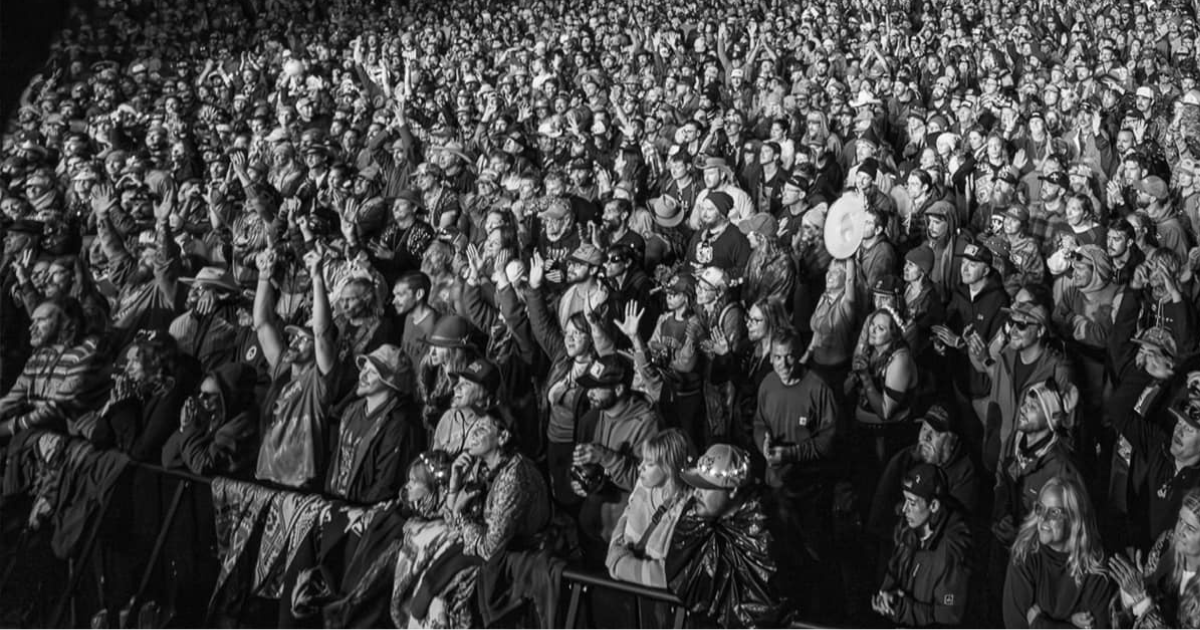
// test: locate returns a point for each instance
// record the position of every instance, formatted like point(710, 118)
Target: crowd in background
point(532, 282)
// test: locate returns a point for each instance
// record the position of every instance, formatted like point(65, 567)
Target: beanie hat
point(722, 201)
point(922, 257)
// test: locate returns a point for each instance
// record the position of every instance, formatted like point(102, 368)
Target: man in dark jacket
point(928, 574)
point(938, 445)
point(976, 307)
point(380, 432)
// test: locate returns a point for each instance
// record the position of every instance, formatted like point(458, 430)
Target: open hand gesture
point(103, 198)
point(633, 318)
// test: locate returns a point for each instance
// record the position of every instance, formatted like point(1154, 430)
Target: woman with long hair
point(770, 272)
point(885, 376)
point(1162, 589)
point(832, 323)
point(147, 395)
point(450, 351)
point(427, 538)
point(638, 549)
point(666, 367)
point(571, 349)
point(1056, 576)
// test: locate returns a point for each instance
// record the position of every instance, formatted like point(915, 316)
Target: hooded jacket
point(947, 255)
point(983, 314)
point(1096, 303)
point(228, 443)
point(1005, 397)
point(932, 574)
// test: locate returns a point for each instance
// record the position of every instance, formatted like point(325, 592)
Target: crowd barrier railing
point(577, 582)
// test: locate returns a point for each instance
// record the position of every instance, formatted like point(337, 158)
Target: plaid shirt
point(1045, 226)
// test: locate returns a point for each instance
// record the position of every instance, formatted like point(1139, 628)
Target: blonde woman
point(1056, 576)
point(1163, 587)
point(638, 548)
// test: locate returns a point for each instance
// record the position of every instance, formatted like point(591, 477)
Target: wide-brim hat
point(214, 277)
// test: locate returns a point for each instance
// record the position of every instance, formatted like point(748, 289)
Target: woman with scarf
point(1161, 590)
point(885, 376)
point(1056, 577)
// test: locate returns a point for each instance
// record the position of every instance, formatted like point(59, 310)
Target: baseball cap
point(557, 209)
point(587, 254)
point(1018, 212)
point(1160, 339)
point(483, 372)
point(1187, 410)
point(681, 283)
point(887, 285)
point(1027, 311)
point(721, 467)
point(937, 417)
point(976, 253)
point(1145, 92)
point(926, 481)
point(606, 371)
point(1058, 178)
point(1153, 186)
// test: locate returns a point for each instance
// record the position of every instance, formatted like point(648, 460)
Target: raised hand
point(633, 318)
point(103, 198)
point(313, 261)
point(163, 207)
point(537, 271)
point(265, 262)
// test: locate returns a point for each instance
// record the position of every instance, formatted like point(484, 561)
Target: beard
point(141, 275)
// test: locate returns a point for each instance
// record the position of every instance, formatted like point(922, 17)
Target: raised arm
point(269, 336)
point(323, 345)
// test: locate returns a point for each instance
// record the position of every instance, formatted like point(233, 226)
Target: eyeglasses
point(1023, 325)
point(755, 320)
point(1049, 514)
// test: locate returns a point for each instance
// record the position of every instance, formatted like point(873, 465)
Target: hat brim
point(216, 284)
point(448, 343)
point(1183, 417)
point(1156, 345)
point(696, 480)
point(386, 374)
point(298, 330)
point(587, 381)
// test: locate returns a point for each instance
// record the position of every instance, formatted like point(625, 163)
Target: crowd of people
point(536, 279)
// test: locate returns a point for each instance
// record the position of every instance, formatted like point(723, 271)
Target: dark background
point(26, 27)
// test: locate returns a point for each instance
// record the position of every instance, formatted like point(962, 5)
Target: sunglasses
point(1049, 514)
point(1023, 325)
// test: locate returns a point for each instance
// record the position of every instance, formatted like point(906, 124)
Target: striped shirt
point(56, 386)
